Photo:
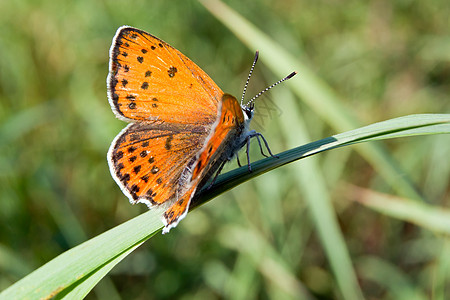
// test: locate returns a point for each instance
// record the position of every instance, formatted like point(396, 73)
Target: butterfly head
point(248, 111)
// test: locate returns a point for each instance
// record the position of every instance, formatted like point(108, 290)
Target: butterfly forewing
point(151, 81)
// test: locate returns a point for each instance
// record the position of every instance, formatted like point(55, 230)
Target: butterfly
point(182, 129)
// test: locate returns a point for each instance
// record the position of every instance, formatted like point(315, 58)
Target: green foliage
point(297, 231)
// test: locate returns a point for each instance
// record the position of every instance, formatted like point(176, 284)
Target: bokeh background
point(384, 59)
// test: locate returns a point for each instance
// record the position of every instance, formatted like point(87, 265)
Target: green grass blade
point(81, 288)
point(400, 127)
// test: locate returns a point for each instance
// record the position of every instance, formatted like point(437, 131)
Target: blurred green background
point(383, 58)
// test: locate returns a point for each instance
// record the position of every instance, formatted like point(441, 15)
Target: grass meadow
point(368, 221)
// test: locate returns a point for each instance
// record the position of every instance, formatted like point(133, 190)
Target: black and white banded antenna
point(250, 102)
point(248, 78)
point(250, 105)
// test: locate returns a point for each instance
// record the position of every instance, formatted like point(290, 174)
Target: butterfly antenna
point(249, 75)
point(268, 88)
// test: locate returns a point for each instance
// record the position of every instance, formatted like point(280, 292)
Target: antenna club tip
point(291, 75)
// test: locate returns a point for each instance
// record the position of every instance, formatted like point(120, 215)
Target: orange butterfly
point(182, 129)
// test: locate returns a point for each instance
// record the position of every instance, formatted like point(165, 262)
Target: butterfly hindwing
point(178, 210)
point(151, 161)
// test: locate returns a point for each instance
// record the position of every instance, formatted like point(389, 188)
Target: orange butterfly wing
point(149, 80)
point(150, 161)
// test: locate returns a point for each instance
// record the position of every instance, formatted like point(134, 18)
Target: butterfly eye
point(249, 111)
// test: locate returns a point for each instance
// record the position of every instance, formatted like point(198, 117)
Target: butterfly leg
point(248, 152)
point(260, 146)
point(238, 162)
point(258, 136)
point(217, 173)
